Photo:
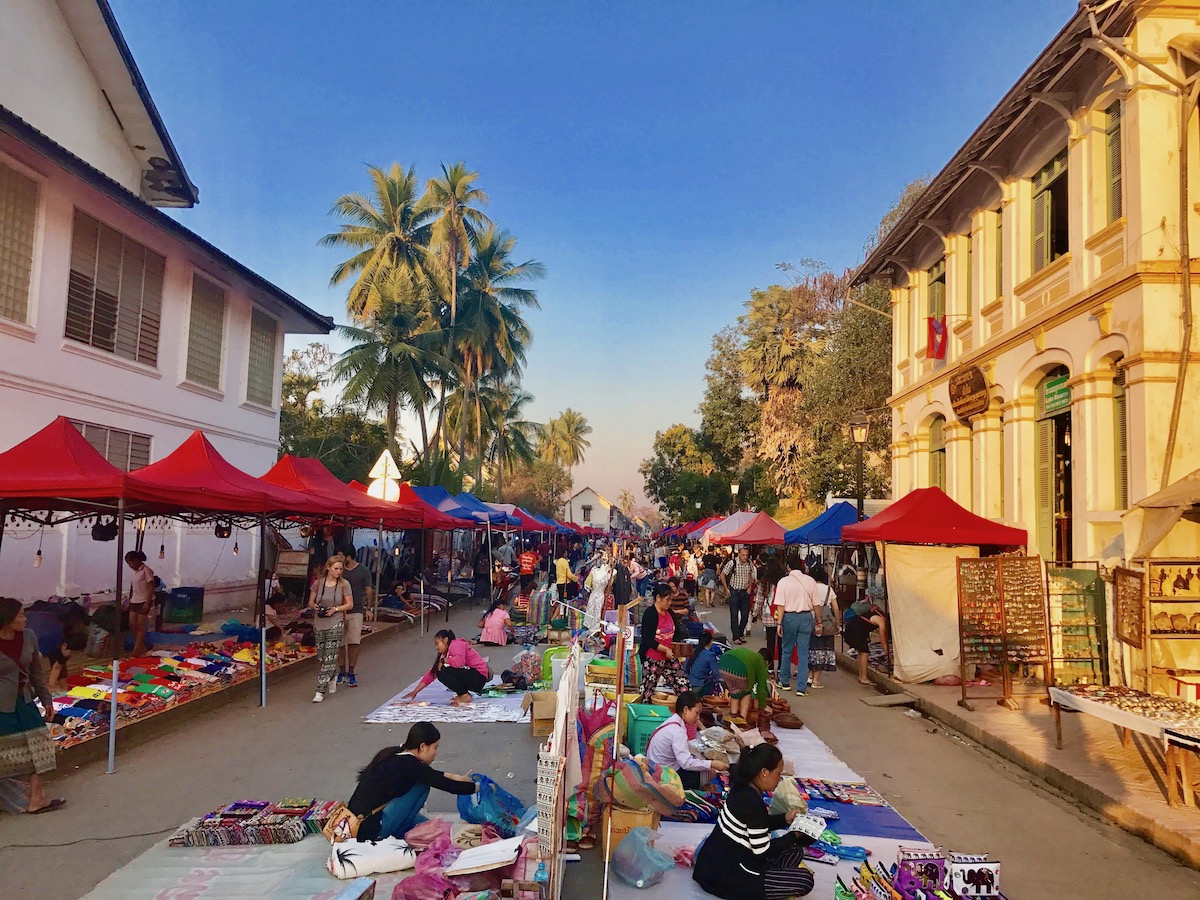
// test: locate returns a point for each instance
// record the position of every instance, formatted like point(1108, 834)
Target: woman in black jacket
point(739, 860)
point(659, 662)
point(393, 787)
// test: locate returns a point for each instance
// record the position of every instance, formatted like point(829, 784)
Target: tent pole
point(118, 641)
point(3, 522)
point(378, 572)
point(260, 609)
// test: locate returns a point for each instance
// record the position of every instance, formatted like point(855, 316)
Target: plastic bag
point(424, 886)
point(788, 797)
point(491, 804)
point(425, 834)
point(594, 719)
point(637, 862)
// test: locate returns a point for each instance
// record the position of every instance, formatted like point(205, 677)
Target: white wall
point(45, 80)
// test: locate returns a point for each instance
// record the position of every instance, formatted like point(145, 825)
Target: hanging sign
point(384, 478)
point(1056, 395)
point(969, 392)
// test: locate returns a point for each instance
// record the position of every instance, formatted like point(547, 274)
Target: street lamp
point(859, 426)
point(734, 487)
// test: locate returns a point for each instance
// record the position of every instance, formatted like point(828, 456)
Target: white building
point(590, 507)
point(112, 313)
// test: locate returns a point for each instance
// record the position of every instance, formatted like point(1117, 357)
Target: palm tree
point(450, 200)
point(389, 230)
point(492, 336)
point(564, 440)
point(625, 501)
point(396, 353)
point(512, 436)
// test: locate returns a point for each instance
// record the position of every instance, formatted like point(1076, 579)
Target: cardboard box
point(623, 822)
point(542, 705)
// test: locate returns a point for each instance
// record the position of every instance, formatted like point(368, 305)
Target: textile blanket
point(433, 705)
point(922, 585)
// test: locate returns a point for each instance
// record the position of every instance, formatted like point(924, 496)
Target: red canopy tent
point(57, 469)
point(929, 516)
point(358, 485)
point(746, 528)
point(196, 477)
point(311, 477)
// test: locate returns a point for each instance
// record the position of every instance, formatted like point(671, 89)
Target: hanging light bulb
point(397, 550)
point(162, 551)
point(235, 547)
point(37, 557)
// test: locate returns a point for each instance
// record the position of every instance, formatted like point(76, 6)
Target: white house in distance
point(111, 312)
point(590, 507)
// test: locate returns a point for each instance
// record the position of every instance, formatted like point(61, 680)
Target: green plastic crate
point(644, 719)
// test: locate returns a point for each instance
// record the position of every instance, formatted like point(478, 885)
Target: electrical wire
point(115, 837)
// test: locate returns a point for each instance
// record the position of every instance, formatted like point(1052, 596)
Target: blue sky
point(659, 158)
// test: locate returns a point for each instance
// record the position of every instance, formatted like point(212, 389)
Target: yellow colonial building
point(1050, 246)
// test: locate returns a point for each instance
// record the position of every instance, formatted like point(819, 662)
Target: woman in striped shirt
point(739, 860)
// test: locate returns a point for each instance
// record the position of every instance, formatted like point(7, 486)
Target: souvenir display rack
point(1172, 607)
point(1002, 622)
point(1078, 627)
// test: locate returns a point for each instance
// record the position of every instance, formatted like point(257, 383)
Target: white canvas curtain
point(922, 590)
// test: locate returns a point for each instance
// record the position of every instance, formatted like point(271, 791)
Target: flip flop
point(56, 803)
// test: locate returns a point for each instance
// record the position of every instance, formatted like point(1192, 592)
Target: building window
point(126, 450)
point(114, 296)
point(18, 222)
point(1120, 442)
point(587, 514)
point(1000, 253)
point(260, 379)
point(937, 288)
point(937, 453)
point(205, 333)
point(1051, 218)
point(1112, 161)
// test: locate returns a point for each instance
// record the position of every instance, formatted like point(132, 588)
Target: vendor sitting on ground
point(702, 672)
point(393, 787)
point(402, 591)
point(496, 626)
point(745, 673)
point(862, 618)
point(739, 860)
point(669, 745)
point(457, 665)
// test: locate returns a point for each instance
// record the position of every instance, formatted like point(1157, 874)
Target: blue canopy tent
point(552, 524)
point(439, 498)
point(473, 504)
point(825, 529)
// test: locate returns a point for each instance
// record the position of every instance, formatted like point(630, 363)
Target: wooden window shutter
point(81, 286)
point(1045, 488)
point(1000, 252)
point(18, 225)
point(1113, 162)
point(1041, 229)
point(206, 328)
point(1121, 442)
point(970, 275)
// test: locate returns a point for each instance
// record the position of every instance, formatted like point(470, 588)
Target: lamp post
point(734, 487)
point(859, 426)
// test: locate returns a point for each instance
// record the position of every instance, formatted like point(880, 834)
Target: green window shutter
point(1041, 229)
point(1000, 252)
point(1121, 442)
point(970, 275)
point(1045, 488)
point(1113, 161)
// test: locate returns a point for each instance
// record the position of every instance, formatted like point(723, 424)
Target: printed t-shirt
point(664, 633)
point(528, 562)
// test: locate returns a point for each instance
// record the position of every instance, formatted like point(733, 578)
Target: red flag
point(935, 344)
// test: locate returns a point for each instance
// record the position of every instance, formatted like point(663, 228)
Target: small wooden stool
point(1182, 745)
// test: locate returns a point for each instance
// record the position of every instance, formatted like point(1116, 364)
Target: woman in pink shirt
point(457, 666)
point(496, 624)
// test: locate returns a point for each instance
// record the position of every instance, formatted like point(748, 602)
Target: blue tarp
point(439, 498)
point(472, 503)
point(825, 528)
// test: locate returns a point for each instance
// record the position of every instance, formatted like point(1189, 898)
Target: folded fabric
point(638, 784)
point(357, 859)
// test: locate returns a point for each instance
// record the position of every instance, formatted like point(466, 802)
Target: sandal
point(56, 803)
point(587, 842)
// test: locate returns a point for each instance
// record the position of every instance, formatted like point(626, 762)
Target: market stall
point(825, 529)
point(922, 536)
point(745, 528)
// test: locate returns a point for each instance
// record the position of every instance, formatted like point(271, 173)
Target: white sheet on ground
point(922, 585)
point(433, 705)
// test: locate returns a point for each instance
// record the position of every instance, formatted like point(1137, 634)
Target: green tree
point(539, 486)
point(512, 435)
point(625, 501)
point(564, 440)
point(728, 415)
point(453, 199)
point(389, 230)
point(394, 353)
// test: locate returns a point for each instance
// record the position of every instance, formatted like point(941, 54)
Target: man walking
point(738, 577)
point(794, 596)
point(361, 593)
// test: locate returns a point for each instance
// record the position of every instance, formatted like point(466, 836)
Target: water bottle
point(541, 876)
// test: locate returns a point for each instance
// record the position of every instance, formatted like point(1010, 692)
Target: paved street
point(955, 793)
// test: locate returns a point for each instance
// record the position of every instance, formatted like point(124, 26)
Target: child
point(702, 672)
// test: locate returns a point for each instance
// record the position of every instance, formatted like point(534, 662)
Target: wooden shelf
point(1173, 600)
point(1175, 635)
